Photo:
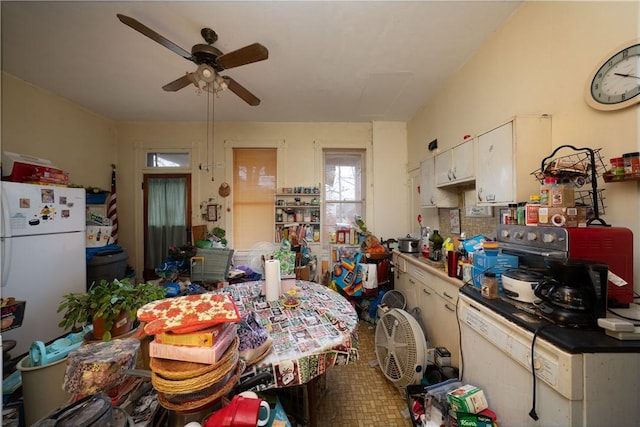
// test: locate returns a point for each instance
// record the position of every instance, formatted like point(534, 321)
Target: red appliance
point(609, 245)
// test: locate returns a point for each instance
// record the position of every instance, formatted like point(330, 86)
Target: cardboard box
point(303, 273)
point(185, 353)
point(563, 216)
point(465, 419)
point(467, 398)
point(13, 315)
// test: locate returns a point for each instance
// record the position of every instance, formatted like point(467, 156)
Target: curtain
point(254, 185)
point(167, 222)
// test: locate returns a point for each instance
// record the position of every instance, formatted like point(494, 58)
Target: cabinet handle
point(426, 291)
point(450, 175)
point(448, 307)
point(447, 295)
point(411, 281)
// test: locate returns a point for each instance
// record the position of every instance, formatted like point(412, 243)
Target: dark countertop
point(573, 340)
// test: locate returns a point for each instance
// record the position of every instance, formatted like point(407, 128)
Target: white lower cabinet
point(436, 297)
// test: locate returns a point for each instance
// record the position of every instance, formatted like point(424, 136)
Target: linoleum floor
point(358, 394)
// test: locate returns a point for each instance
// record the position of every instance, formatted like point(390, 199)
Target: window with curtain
point(166, 217)
point(254, 187)
point(344, 194)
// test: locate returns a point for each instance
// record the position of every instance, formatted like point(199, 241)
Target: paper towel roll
point(272, 279)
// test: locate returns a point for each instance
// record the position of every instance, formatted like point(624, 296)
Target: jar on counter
point(545, 189)
point(489, 288)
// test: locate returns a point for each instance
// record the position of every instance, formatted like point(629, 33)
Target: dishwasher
point(597, 388)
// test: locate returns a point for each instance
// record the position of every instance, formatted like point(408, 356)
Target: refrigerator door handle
point(6, 259)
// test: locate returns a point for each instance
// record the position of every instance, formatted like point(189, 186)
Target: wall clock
point(615, 82)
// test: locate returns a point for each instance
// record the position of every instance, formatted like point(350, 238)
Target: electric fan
point(401, 348)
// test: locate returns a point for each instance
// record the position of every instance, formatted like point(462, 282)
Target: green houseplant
point(107, 302)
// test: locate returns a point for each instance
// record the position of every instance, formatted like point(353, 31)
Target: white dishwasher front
point(570, 389)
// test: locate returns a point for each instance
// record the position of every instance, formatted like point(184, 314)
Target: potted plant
point(110, 306)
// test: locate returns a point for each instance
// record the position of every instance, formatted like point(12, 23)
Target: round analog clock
point(615, 82)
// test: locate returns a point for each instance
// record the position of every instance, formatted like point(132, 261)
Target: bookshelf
point(298, 212)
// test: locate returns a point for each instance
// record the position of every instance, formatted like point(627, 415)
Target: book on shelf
point(202, 338)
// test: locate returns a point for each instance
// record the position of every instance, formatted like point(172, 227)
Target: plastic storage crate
point(211, 265)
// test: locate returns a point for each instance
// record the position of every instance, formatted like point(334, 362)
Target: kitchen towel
point(272, 279)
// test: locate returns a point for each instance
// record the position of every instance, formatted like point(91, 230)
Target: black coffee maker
point(576, 294)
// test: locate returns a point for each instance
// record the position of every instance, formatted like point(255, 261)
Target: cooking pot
point(408, 245)
point(519, 284)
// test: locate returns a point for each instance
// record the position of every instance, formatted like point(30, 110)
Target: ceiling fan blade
point(245, 55)
point(179, 83)
point(141, 28)
point(241, 91)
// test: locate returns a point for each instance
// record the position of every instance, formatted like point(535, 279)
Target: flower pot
point(122, 325)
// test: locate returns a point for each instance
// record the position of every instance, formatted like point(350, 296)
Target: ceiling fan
point(210, 60)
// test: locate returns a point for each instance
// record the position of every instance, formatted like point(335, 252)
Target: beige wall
point(300, 163)
point(41, 124)
point(540, 62)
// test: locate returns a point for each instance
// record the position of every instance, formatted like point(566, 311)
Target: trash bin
point(107, 265)
point(42, 388)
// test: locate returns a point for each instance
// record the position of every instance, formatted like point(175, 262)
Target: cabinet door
point(428, 302)
point(427, 183)
point(447, 334)
point(430, 195)
point(444, 171)
point(463, 166)
point(495, 182)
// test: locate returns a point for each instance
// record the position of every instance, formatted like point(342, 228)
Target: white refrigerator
point(43, 256)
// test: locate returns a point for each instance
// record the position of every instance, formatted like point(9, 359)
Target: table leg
point(312, 394)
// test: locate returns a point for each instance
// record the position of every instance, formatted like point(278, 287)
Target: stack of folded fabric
point(194, 354)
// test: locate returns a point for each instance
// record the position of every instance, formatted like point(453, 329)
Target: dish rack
point(583, 166)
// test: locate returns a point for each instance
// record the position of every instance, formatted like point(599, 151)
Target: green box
point(467, 398)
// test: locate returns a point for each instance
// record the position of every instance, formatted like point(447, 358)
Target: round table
point(322, 331)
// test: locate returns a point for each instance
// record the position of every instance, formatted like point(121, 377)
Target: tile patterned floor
point(358, 395)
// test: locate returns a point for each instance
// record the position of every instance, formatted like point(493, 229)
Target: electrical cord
point(533, 414)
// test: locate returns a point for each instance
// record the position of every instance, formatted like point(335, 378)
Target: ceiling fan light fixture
point(206, 73)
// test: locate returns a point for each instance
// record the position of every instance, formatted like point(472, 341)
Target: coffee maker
point(576, 294)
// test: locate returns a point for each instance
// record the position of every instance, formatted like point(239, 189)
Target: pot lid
point(524, 275)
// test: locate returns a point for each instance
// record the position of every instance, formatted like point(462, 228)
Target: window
point(254, 187)
point(344, 194)
point(168, 160)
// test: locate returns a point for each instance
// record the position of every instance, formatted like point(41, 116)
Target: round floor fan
point(401, 348)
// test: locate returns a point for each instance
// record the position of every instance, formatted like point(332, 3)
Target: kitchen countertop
point(570, 339)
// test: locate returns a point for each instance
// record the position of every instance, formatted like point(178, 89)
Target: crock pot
point(519, 284)
point(408, 245)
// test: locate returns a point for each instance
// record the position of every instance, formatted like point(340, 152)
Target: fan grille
point(400, 347)
point(393, 299)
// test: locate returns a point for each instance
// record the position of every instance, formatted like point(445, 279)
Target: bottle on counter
point(426, 233)
point(545, 189)
point(435, 246)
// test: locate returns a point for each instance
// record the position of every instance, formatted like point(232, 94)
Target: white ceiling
point(329, 61)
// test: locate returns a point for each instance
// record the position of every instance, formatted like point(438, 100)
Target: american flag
point(112, 212)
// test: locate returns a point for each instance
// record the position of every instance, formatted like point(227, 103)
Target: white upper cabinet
point(456, 166)
point(430, 195)
point(507, 155)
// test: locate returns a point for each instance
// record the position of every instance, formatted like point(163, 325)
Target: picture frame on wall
point(454, 220)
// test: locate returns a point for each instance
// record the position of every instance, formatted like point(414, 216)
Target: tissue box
point(467, 398)
point(473, 420)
